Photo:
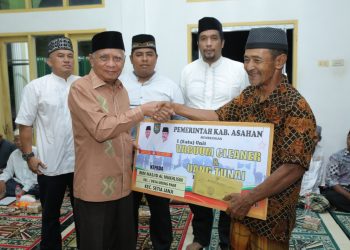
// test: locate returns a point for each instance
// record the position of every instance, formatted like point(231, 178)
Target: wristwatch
point(27, 156)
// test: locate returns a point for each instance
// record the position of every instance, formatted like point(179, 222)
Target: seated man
point(314, 177)
point(18, 173)
point(6, 148)
point(338, 179)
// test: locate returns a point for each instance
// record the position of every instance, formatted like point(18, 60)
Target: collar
point(134, 76)
point(58, 78)
point(214, 64)
point(97, 82)
point(280, 88)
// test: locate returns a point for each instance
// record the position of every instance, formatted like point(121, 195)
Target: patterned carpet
point(180, 216)
point(22, 231)
point(343, 220)
point(301, 238)
point(309, 239)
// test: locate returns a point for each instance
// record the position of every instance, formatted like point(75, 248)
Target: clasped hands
point(158, 111)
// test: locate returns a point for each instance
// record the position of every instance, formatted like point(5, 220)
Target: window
point(12, 5)
point(31, 5)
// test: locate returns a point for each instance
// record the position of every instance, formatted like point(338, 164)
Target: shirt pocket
point(50, 107)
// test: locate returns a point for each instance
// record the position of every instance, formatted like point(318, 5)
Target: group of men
point(95, 111)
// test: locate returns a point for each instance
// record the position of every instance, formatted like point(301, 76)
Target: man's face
point(61, 62)
point(144, 61)
point(210, 45)
point(260, 66)
point(165, 136)
point(148, 133)
point(108, 64)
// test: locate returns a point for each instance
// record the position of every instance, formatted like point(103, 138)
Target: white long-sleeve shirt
point(18, 169)
point(207, 86)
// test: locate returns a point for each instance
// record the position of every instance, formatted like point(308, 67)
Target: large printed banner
point(229, 157)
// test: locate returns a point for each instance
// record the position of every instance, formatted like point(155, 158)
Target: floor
point(337, 233)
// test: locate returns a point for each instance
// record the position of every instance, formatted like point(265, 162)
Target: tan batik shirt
point(103, 146)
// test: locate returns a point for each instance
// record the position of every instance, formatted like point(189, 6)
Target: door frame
point(248, 26)
point(6, 127)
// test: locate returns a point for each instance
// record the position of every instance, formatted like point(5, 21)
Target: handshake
point(159, 111)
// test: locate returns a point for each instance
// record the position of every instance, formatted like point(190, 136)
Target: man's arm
point(195, 114)
point(278, 181)
point(104, 126)
point(26, 135)
point(339, 189)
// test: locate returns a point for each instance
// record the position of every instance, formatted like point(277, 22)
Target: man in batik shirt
point(338, 178)
point(269, 99)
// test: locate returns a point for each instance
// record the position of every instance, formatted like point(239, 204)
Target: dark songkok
point(59, 43)
point(148, 128)
point(165, 129)
point(107, 40)
point(143, 41)
point(267, 38)
point(210, 23)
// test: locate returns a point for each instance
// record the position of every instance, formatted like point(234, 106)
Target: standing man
point(102, 120)
point(338, 178)
point(209, 83)
point(269, 99)
point(144, 84)
point(44, 106)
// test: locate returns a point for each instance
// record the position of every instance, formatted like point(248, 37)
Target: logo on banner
point(156, 128)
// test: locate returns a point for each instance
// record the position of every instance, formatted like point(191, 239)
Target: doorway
point(235, 39)
point(23, 58)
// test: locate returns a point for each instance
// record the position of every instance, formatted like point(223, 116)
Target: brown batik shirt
point(294, 130)
point(102, 120)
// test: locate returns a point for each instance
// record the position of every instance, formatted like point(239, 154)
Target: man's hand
point(34, 164)
point(164, 113)
point(159, 111)
point(238, 205)
point(135, 146)
point(2, 188)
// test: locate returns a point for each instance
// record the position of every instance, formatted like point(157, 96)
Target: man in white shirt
point(314, 178)
point(209, 83)
point(44, 106)
point(144, 84)
point(18, 173)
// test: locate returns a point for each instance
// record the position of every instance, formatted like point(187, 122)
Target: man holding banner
point(269, 99)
